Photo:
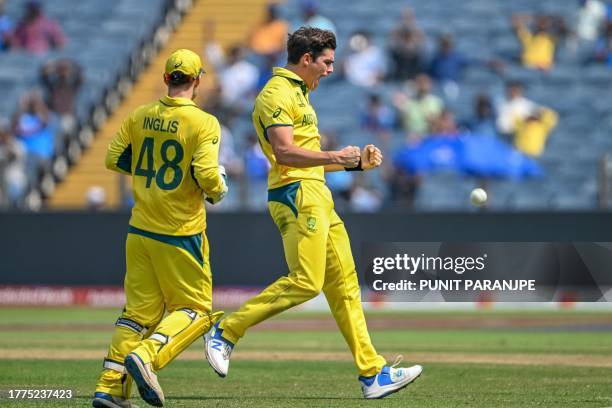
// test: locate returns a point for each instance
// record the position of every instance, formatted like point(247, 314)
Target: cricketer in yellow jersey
point(170, 147)
point(315, 242)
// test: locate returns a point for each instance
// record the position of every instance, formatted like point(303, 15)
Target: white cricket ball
point(478, 197)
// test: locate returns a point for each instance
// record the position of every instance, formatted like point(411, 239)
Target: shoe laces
point(398, 360)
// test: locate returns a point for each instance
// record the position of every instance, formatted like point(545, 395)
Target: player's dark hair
point(179, 78)
point(309, 40)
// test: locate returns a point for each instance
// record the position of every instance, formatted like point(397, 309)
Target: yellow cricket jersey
point(284, 102)
point(171, 148)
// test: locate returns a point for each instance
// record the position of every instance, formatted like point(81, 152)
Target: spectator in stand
point(406, 49)
point(228, 157)
point(483, 123)
point(514, 109)
point(37, 33)
point(419, 111)
point(366, 65)
point(603, 47)
point(378, 118)
point(256, 168)
point(403, 187)
point(265, 72)
point(6, 28)
point(212, 48)
point(95, 198)
point(238, 79)
point(448, 65)
point(234, 168)
point(270, 37)
point(445, 125)
point(538, 47)
point(364, 199)
point(312, 18)
point(13, 178)
point(32, 126)
point(62, 80)
point(339, 182)
point(591, 18)
point(532, 132)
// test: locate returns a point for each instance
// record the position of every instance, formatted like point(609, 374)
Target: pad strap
point(190, 312)
point(113, 365)
point(131, 324)
point(162, 338)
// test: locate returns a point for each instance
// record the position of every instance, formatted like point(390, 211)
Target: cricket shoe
point(389, 380)
point(145, 380)
point(217, 350)
point(104, 400)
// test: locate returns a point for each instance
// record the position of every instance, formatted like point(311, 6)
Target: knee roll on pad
point(176, 344)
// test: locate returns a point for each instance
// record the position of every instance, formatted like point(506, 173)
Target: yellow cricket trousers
point(318, 253)
point(163, 274)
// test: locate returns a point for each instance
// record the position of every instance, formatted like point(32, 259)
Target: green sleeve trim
point(285, 195)
point(124, 162)
point(190, 243)
point(265, 129)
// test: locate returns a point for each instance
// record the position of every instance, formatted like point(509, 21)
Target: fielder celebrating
point(170, 147)
point(315, 242)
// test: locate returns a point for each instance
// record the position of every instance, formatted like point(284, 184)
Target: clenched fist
point(371, 157)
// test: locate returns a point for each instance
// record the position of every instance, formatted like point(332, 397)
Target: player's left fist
point(371, 157)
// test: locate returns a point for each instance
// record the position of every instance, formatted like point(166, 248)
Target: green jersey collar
point(285, 73)
point(170, 101)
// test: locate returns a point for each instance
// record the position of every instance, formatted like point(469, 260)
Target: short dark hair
point(178, 78)
point(309, 40)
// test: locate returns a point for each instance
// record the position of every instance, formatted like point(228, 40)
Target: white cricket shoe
point(389, 380)
point(218, 350)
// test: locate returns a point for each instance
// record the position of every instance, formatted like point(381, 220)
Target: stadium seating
point(102, 38)
point(577, 92)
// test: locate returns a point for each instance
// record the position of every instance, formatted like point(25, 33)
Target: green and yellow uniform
point(170, 148)
point(315, 241)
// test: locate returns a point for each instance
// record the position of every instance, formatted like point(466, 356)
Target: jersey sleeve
point(275, 109)
point(205, 161)
point(119, 152)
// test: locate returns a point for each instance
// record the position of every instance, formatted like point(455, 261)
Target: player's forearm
point(294, 156)
point(210, 181)
point(334, 167)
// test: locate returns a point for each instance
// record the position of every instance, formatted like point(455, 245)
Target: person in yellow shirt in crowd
point(538, 46)
point(270, 36)
point(532, 132)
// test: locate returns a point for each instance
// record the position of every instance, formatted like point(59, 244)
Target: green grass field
point(471, 359)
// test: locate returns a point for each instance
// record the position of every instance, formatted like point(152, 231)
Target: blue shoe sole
point(147, 393)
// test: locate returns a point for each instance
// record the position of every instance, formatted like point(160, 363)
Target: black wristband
point(356, 168)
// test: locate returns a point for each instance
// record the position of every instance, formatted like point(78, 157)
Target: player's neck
point(297, 70)
point(180, 93)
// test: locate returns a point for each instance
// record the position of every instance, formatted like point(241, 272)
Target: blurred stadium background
point(66, 93)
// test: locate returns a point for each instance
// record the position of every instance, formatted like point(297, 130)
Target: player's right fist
point(349, 156)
